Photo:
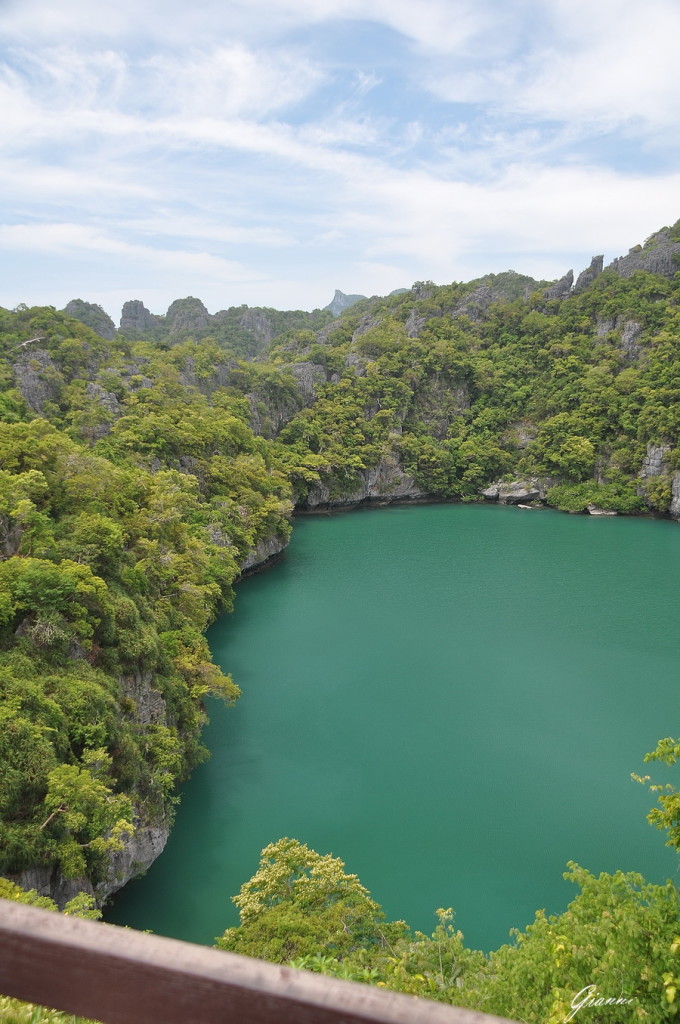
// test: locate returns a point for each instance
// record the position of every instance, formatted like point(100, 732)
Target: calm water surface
point(451, 699)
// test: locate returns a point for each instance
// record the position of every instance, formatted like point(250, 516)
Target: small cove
point(450, 698)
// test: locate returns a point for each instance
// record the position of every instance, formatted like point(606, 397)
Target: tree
point(84, 814)
point(300, 903)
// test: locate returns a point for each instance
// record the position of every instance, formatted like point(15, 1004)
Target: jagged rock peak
point(587, 276)
point(93, 316)
point(341, 302)
point(560, 289)
point(187, 315)
point(135, 316)
point(659, 255)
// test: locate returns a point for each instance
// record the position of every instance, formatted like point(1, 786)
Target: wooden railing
point(119, 976)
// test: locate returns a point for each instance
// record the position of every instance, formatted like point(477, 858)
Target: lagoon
point(451, 698)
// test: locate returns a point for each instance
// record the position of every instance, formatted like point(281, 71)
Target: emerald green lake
point(451, 698)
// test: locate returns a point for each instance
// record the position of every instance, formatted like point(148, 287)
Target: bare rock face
point(340, 302)
point(587, 276)
point(307, 375)
point(110, 407)
point(382, 483)
point(516, 491)
point(356, 364)
point(187, 316)
point(38, 378)
point(560, 289)
point(260, 324)
point(93, 316)
point(654, 462)
point(659, 255)
point(264, 552)
point(414, 324)
point(629, 331)
point(148, 706)
point(136, 317)
point(138, 854)
point(674, 508)
point(365, 324)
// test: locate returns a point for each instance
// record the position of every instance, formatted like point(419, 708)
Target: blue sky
point(270, 151)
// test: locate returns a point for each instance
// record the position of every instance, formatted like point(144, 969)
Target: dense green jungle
point(144, 469)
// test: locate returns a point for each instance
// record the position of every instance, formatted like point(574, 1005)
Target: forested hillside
point(140, 473)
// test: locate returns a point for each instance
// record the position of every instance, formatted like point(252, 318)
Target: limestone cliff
point(385, 482)
point(660, 254)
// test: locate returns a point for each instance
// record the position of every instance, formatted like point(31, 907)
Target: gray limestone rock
point(265, 551)
point(187, 316)
point(356, 363)
point(414, 324)
point(365, 324)
point(38, 378)
point(93, 316)
point(654, 462)
point(560, 289)
point(674, 508)
point(659, 255)
point(148, 705)
point(307, 375)
point(340, 302)
point(587, 276)
point(136, 317)
point(138, 854)
point(516, 491)
point(385, 482)
point(260, 324)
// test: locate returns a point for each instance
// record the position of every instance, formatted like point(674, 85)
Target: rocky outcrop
point(659, 255)
point(385, 482)
point(138, 854)
point(307, 375)
point(340, 302)
point(265, 552)
point(187, 316)
point(656, 465)
point(414, 324)
point(147, 706)
point(365, 324)
point(655, 460)
point(674, 508)
point(93, 316)
point(628, 331)
point(38, 378)
point(137, 318)
point(517, 491)
point(593, 510)
point(356, 364)
point(560, 289)
point(259, 324)
point(109, 404)
point(587, 276)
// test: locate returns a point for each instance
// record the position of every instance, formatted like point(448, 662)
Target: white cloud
point(178, 146)
point(81, 240)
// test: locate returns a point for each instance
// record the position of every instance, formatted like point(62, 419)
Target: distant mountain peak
point(341, 302)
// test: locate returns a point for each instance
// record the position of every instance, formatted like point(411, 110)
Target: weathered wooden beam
point(120, 976)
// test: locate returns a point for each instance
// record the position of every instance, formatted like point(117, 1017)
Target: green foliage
point(619, 496)
point(666, 816)
point(616, 941)
point(300, 903)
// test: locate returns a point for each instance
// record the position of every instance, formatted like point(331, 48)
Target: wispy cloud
point(195, 148)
